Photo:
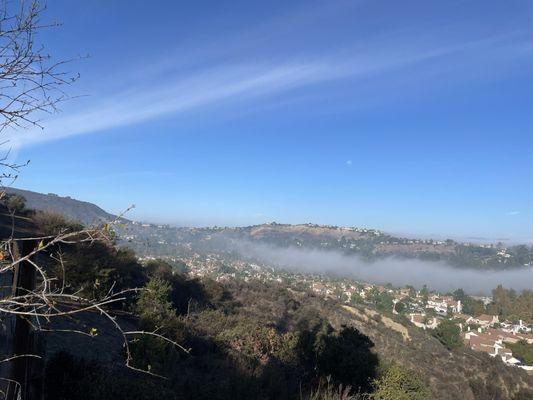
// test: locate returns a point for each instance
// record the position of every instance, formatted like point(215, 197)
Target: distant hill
point(370, 244)
point(82, 211)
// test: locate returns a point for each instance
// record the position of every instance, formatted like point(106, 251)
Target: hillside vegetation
point(244, 340)
point(76, 210)
point(257, 340)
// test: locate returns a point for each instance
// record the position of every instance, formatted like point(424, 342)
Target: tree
point(502, 301)
point(448, 333)
point(93, 269)
point(50, 224)
point(31, 80)
point(510, 305)
point(470, 305)
point(400, 307)
point(383, 301)
point(356, 299)
point(473, 307)
point(154, 306)
point(459, 294)
point(523, 254)
point(32, 84)
point(14, 203)
point(523, 351)
point(424, 293)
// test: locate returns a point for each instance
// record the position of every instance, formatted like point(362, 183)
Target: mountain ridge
point(78, 210)
point(155, 239)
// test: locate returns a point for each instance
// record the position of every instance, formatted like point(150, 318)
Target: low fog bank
point(400, 272)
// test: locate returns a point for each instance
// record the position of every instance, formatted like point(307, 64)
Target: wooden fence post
point(26, 371)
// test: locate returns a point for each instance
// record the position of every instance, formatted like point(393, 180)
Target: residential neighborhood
point(423, 308)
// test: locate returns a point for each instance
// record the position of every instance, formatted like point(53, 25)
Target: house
point(520, 327)
point(464, 318)
point(405, 292)
point(422, 321)
point(418, 320)
point(492, 342)
point(485, 320)
point(319, 288)
point(500, 334)
point(478, 342)
point(455, 306)
point(440, 307)
point(443, 304)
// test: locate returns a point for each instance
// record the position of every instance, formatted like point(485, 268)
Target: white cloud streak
point(145, 103)
point(230, 83)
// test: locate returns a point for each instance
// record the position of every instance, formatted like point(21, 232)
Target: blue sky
point(412, 117)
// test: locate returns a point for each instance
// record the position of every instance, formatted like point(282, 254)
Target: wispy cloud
point(208, 88)
point(234, 83)
point(512, 213)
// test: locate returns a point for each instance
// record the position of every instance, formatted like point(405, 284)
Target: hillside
point(262, 340)
point(373, 244)
point(247, 338)
point(368, 244)
point(82, 211)
point(456, 374)
point(251, 340)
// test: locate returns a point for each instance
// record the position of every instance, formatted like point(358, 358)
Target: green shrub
point(448, 333)
point(50, 223)
point(398, 383)
point(14, 203)
point(94, 268)
point(523, 351)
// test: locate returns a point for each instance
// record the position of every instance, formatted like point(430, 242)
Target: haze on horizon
point(412, 118)
point(399, 272)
